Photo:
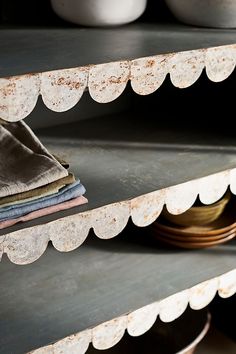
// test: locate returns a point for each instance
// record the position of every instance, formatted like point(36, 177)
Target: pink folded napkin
point(46, 211)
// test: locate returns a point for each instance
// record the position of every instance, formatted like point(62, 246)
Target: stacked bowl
point(200, 227)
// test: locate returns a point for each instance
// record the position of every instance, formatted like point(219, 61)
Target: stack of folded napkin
point(33, 183)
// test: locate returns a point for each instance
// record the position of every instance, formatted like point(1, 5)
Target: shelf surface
point(116, 162)
point(37, 50)
point(62, 294)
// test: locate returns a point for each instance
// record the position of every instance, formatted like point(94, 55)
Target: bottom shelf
point(63, 294)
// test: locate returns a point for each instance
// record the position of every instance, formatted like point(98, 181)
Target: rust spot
point(8, 89)
point(62, 81)
point(150, 63)
point(28, 76)
point(115, 80)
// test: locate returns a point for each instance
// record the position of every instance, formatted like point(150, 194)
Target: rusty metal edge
point(62, 89)
point(27, 245)
point(136, 323)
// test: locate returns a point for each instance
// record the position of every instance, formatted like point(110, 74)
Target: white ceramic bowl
point(206, 13)
point(99, 12)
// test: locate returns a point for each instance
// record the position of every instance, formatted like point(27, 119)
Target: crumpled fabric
point(25, 164)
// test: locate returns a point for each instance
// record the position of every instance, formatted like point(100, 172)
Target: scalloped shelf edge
point(62, 89)
point(27, 245)
point(138, 322)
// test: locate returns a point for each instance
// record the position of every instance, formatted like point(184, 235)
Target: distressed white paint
point(140, 321)
point(25, 247)
point(45, 350)
point(18, 96)
point(227, 284)
point(70, 233)
point(232, 181)
point(181, 197)
point(62, 89)
point(202, 294)
point(186, 67)
point(174, 306)
point(75, 344)
point(110, 220)
point(212, 188)
point(220, 62)
point(108, 81)
point(108, 334)
point(148, 74)
point(146, 209)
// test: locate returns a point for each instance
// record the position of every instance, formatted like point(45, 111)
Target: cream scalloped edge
point(62, 89)
point(140, 321)
point(27, 245)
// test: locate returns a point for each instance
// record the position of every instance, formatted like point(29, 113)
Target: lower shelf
point(128, 173)
point(63, 294)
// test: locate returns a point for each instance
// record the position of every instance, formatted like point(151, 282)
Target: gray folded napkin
point(33, 194)
point(25, 164)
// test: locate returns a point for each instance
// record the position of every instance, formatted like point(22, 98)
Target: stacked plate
point(218, 231)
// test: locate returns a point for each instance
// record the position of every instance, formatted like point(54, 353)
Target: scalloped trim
point(140, 321)
point(68, 233)
point(62, 89)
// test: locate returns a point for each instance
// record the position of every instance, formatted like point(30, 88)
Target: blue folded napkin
point(69, 192)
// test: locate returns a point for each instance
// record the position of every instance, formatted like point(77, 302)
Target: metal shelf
point(60, 65)
point(129, 170)
point(45, 49)
point(63, 294)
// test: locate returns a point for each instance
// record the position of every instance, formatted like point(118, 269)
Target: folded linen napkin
point(69, 192)
point(45, 211)
point(36, 193)
point(25, 164)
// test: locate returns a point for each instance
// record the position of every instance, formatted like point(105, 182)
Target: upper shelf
point(64, 62)
point(37, 50)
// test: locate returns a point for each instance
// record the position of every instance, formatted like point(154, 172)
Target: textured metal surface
point(118, 184)
point(47, 49)
point(96, 289)
point(62, 89)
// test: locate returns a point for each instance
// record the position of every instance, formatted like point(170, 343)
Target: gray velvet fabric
point(25, 164)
